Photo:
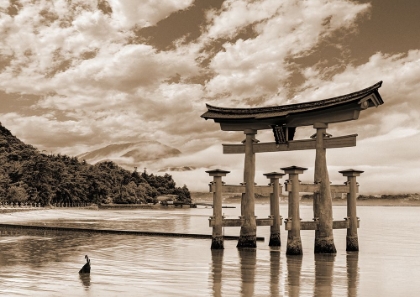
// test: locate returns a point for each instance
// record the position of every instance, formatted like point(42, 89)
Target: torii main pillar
point(248, 234)
point(324, 238)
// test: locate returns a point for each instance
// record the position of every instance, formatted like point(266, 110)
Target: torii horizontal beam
point(314, 188)
point(313, 225)
point(262, 190)
point(293, 145)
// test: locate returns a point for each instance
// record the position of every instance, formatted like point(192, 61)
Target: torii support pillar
point(275, 208)
point(248, 234)
point(324, 238)
point(294, 242)
point(217, 234)
point(352, 241)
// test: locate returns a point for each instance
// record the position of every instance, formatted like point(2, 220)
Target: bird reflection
point(248, 259)
point(217, 264)
point(85, 279)
point(294, 267)
point(324, 267)
point(352, 273)
point(274, 271)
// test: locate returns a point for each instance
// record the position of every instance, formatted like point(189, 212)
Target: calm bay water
point(39, 263)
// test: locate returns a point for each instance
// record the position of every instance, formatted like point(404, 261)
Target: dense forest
point(27, 175)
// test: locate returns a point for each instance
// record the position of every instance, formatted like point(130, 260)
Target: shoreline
point(398, 202)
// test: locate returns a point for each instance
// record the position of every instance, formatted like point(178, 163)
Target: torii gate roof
point(337, 109)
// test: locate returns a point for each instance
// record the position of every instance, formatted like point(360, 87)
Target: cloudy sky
point(76, 75)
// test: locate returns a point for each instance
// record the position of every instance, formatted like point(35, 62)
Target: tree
point(183, 194)
point(17, 194)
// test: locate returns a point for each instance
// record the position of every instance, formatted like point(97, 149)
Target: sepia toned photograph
point(214, 148)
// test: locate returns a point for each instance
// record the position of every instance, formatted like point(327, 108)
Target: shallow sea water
point(38, 263)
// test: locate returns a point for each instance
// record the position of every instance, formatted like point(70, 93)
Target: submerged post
point(217, 234)
point(294, 243)
point(275, 208)
point(352, 241)
point(324, 239)
point(248, 234)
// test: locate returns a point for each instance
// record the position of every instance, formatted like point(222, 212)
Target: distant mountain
point(132, 152)
point(179, 168)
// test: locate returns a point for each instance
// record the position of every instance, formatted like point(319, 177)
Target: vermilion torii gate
point(284, 120)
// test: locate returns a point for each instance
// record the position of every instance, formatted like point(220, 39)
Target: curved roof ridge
point(295, 106)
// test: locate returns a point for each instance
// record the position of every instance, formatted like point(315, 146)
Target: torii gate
point(284, 120)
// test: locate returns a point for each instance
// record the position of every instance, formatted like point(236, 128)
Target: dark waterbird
point(86, 267)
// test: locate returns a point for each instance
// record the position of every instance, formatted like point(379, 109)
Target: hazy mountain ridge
point(132, 152)
point(177, 168)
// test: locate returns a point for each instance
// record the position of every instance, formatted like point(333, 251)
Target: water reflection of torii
point(322, 279)
point(284, 120)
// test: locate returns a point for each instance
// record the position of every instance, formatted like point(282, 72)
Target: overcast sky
point(79, 75)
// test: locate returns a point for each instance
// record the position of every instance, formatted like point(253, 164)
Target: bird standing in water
point(86, 267)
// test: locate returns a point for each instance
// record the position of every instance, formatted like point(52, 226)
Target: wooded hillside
point(27, 175)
